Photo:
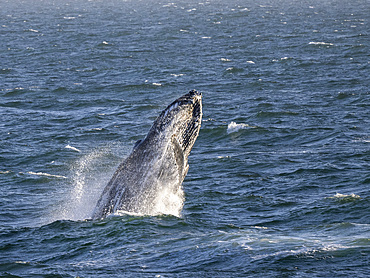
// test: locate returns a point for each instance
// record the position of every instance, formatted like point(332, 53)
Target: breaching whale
point(157, 164)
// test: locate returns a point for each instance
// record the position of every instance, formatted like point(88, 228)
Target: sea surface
point(279, 176)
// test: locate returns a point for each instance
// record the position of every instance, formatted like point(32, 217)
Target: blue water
point(279, 178)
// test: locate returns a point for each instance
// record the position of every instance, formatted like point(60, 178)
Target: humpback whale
point(157, 164)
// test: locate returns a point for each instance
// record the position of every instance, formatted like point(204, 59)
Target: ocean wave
point(302, 251)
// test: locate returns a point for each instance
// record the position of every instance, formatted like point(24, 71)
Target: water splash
point(166, 202)
point(162, 197)
point(89, 175)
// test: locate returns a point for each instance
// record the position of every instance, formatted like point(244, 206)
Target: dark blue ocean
point(279, 176)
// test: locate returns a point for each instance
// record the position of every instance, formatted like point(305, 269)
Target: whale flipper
point(179, 157)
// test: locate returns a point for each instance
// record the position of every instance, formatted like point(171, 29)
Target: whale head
point(181, 120)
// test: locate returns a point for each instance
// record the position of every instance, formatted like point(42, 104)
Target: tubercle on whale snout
point(191, 99)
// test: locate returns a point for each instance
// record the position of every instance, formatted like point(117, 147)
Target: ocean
point(279, 178)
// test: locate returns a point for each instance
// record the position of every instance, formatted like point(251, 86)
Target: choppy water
point(279, 178)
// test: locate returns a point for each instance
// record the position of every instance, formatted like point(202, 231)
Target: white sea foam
point(308, 251)
point(4, 172)
point(46, 175)
point(321, 43)
point(170, 5)
point(234, 127)
point(362, 140)
point(341, 196)
point(288, 245)
point(166, 202)
point(281, 59)
point(72, 148)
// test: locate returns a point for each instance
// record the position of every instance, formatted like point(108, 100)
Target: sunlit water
point(279, 176)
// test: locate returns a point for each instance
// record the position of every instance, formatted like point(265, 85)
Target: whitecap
point(72, 148)
point(46, 175)
point(223, 156)
point(4, 172)
point(281, 59)
point(321, 43)
point(362, 140)
point(341, 196)
point(234, 127)
point(169, 5)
